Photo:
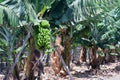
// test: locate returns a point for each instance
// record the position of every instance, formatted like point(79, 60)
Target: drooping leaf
point(21, 9)
point(18, 49)
point(113, 54)
point(1, 50)
point(110, 46)
point(79, 10)
point(31, 13)
point(8, 16)
point(101, 54)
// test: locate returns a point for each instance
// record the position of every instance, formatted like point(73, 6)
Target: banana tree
point(10, 40)
point(15, 15)
point(71, 13)
point(24, 14)
point(101, 34)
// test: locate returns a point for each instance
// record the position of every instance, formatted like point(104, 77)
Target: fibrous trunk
point(83, 54)
point(94, 60)
point(66, 54)
point(28, 64)
point(55, 59)
point(64, 51)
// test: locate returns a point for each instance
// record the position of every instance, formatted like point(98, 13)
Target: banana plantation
point(59, 39)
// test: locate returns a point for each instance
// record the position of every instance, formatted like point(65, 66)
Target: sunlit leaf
point(18, 49)
point(1, 50)
point(31, 13)
point(9, 16)
point(114, 54)
point(101, 54)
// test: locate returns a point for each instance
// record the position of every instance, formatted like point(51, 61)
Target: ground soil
point(109, 71)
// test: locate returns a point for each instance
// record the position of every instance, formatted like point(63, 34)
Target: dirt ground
point(110, 71)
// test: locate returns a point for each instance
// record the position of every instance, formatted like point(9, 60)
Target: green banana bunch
point(42, 36)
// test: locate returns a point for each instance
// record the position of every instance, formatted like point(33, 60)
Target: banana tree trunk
point(66, 54)
point(16, 73)
point(55, 59)
point(83, 54)
point(107, 55)
point(94, 60)
point(29, 74)
point(113, 50)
